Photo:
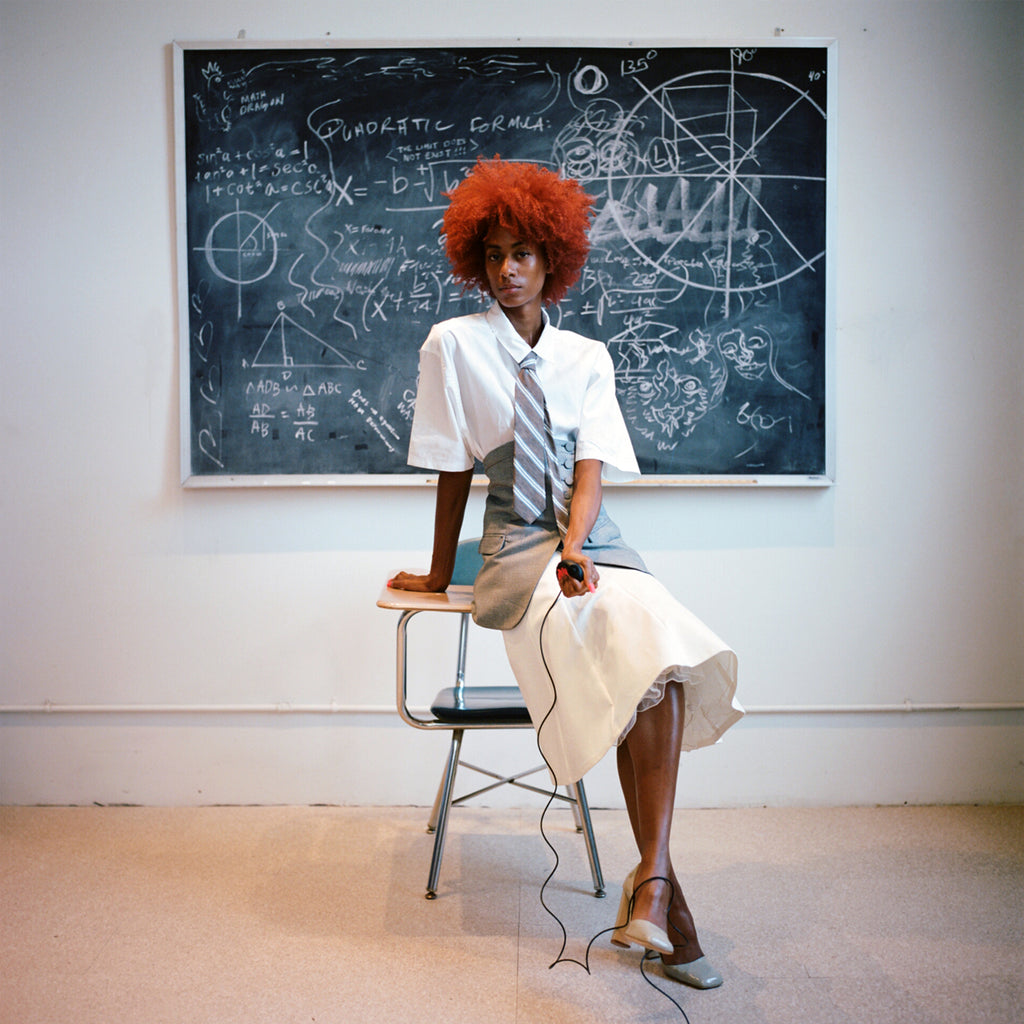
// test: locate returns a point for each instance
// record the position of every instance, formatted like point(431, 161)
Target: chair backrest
point(468, 562)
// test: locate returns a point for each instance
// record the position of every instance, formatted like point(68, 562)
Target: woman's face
point(516, 269)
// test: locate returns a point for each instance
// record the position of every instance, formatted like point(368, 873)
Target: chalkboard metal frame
point(199, 384)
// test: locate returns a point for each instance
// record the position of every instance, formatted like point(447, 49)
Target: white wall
point(903, 582)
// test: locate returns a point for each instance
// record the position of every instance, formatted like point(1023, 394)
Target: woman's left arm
point(583, 510)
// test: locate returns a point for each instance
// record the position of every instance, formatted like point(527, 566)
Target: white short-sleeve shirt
point(464, 400)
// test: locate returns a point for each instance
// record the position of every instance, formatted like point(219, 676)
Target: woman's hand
point(421, 584)
point(572, 587)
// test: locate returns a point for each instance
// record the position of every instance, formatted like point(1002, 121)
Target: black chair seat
point(498, 704)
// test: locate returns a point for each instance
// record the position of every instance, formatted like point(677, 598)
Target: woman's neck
point(528, 323)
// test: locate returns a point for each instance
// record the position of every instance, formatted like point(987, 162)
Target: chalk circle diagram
point(241, 247)
point(723, 229)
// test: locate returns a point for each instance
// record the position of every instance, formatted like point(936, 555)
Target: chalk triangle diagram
point(288, 344)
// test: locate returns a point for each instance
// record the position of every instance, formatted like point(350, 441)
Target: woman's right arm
point(449, 509)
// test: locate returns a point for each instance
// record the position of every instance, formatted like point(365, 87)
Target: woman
point(619, 661)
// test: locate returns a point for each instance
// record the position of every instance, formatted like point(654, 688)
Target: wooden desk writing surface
point(454, 599)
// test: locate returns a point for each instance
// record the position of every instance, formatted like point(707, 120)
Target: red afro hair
point(530, 201)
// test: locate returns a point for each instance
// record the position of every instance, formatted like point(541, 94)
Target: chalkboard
point(310, 192)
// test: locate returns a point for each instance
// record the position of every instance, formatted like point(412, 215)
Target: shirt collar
point(509, 337)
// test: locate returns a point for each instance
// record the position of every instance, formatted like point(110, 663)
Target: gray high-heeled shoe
point(697, 973)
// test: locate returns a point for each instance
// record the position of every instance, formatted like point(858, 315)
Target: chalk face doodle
point(313, 183)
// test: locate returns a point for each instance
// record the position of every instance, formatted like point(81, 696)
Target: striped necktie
point(534, 450)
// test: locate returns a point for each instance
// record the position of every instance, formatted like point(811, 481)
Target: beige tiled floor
point(300, 915)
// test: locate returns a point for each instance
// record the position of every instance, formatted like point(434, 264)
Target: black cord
point(561, 958)
point(551, 799)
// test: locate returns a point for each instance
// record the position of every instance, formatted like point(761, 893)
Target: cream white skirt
point(610, 654)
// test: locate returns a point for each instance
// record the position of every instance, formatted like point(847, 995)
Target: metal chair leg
point(442, 806)
point(432, 820)
point(575, 805)
point(583, 808)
